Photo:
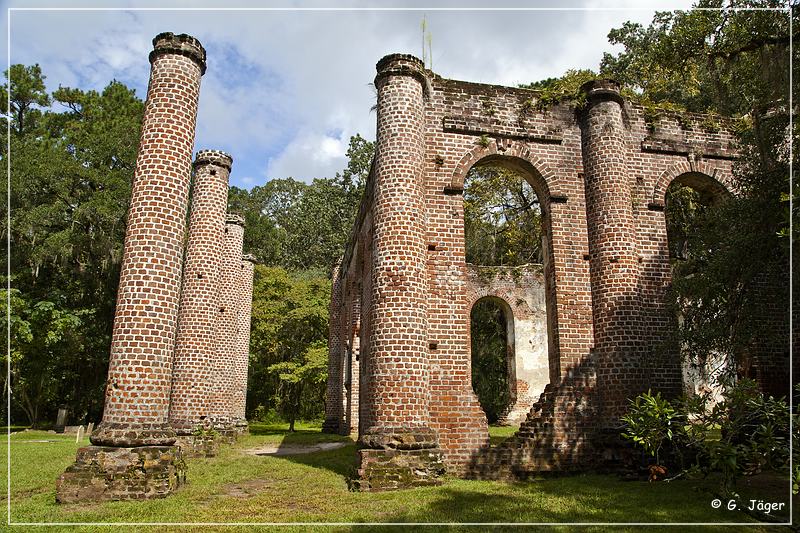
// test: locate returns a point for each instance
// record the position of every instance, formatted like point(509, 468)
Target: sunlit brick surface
point(192, 376)
point(140, 366)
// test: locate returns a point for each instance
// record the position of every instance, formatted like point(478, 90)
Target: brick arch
point(506, 298)
point(543, 179)
point(701, 175)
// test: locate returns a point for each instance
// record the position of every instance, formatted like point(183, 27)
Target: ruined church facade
point(399, 367)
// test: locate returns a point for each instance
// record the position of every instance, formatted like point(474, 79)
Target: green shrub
point(650, 420)
point(743, 434)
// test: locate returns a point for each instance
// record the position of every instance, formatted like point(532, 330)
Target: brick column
point(614, 262)
point(140, 365)
point(195, 343)
point(242, 361)
point(399, 447)
point(221, 406)
point(352, 365)
point(333, 392)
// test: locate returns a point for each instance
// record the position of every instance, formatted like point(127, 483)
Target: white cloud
point(309, 155)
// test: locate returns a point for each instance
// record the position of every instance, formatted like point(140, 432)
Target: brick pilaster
point(613, 263)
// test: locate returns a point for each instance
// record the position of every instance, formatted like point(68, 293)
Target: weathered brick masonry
point(180, 345)
point(223, 394)
point(195, 347)
point(601, 174)
point(135, 417)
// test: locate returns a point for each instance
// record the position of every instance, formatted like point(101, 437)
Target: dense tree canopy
point(70, 184)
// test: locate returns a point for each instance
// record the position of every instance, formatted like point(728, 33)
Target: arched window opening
point(506, 243)
point(502, 217)
point(691, 200)
point(491, 333)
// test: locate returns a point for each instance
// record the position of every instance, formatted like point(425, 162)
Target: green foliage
point(41, 331)
point(685, 212)
point(502, 218)
point(650, 420)
point(288, 345)
point(300, 226)
point(27, 95)
point(70, 187)
point(490, 379)
point(721, 59)
point(202, 430)
point(566, 88)
point(743, 434)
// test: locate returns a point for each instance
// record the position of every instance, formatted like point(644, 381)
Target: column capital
point(401, 65)
point(601, 90)
point(181, 44)
point(234, 219)
point(213, 157)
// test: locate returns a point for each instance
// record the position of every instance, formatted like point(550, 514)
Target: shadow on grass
point(582, 499)
point(341, 461)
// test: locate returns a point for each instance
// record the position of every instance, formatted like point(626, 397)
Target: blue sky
point(285, 90)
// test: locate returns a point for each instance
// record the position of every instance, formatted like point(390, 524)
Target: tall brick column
point(399, 447)
point(195, 343)
point(333, 392)
point(242, 361)
point(221, 405)
point(134, 431)
point(614, 262)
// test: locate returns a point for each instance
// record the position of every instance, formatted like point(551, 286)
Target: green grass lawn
point(236, 487)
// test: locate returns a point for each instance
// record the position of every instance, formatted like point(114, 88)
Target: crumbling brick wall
point(601, 173)
point(521, 294)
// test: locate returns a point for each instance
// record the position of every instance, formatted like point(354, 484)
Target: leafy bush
point(743, 434)
point(649, 422)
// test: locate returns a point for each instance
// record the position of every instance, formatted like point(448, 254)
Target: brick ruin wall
point(400, 304)
point(601, 175)
point(520, 293)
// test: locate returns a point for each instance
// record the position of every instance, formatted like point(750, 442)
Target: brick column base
point(331, 425)
point(206, 445)
point(241, 427)
point(399, 459)
point(103, 473)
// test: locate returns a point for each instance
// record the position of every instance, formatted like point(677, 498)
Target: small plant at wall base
point(650, 420)
point(202, 430)
point(744, 434)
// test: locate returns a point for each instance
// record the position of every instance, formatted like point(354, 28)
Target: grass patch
point(498, 434)
point(235, 487)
